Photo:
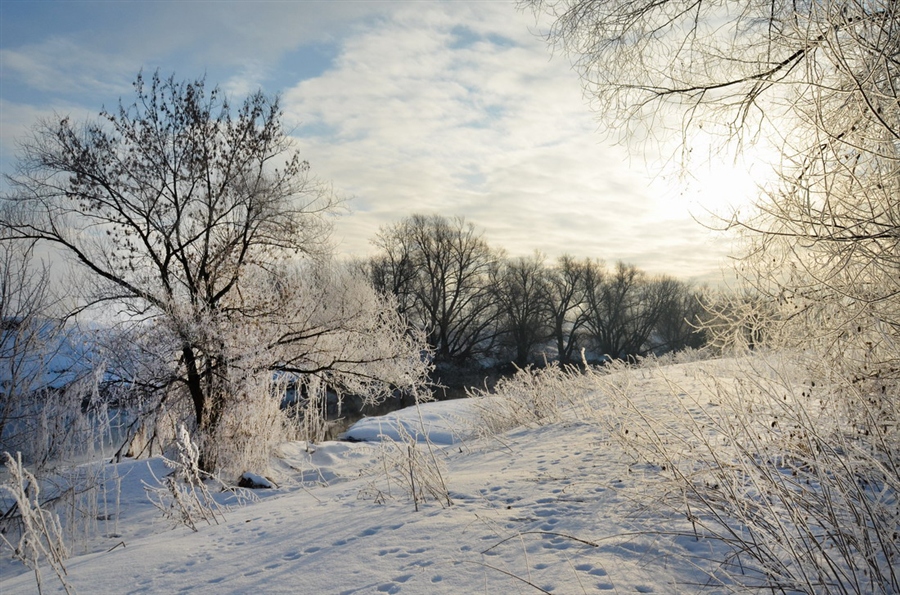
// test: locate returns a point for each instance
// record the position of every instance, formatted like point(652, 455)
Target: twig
point(511, 575)
point(573, 538)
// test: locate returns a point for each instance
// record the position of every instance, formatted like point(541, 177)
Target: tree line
point(475, 304)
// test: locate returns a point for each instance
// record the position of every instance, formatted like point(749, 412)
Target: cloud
point(76, 57)
point(95, 48)
point(60, 66)
point(460, 111)
point(17, 121)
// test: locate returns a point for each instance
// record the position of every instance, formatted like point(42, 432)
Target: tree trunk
point(195, 386)
point(205, 423)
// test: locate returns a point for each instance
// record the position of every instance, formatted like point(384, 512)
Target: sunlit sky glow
point(456, 108)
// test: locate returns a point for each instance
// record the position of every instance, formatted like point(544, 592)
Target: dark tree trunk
point(205, 423)
point(194, 383)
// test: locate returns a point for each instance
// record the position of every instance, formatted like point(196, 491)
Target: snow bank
point(442, 423)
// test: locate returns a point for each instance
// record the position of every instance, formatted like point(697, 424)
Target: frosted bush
point(40, 534)
point(535, 396)
point(182, 495)
point(766, 464)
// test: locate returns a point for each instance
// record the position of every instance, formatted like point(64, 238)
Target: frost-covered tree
point(817, 83)
point(185, 215)
point(50, 408)
point(29, 339)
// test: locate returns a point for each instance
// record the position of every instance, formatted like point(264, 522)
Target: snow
point(554, 507)
point(443, 423)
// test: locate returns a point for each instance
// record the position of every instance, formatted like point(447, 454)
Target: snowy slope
point(550, 507)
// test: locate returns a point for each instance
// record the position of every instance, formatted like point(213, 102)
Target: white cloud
point(97, 47)
point(17, 120)
point(61, 66)
point(460, 111)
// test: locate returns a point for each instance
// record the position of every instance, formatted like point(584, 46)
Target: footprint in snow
point(388, 551)
point(589, 568)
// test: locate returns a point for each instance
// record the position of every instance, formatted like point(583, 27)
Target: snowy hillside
point(559, 505)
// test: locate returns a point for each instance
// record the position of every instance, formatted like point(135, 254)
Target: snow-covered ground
point(557, 507)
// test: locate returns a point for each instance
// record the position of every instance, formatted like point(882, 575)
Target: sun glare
point(724, 188)
point(716, 185)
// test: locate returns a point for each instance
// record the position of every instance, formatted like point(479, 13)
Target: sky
point(457, 107)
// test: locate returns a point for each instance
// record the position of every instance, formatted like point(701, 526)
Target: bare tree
point(393, 273)
point(624, 308)
point(522, 289)
point(439, 269)
point(566, 287)
point(681, 321)
point(184, 214)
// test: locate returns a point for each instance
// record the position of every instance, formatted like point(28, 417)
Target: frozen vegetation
point(726, 475)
